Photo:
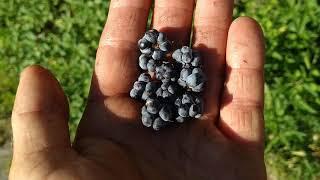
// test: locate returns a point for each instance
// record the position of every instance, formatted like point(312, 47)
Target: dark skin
point(111, 143)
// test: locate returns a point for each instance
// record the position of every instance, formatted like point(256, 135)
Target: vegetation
point(62, 35)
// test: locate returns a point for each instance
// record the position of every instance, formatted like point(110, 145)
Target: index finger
point(115, 65)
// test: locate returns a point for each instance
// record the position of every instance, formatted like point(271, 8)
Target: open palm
point(111, 142)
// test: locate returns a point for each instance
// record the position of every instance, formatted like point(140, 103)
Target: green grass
point(62, 35)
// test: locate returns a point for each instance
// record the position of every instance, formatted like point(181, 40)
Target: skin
point(111, 142)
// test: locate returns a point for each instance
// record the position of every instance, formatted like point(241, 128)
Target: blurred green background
point(62, 35)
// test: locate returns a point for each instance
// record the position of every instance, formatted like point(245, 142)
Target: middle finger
point(174, 17)
point(211, 23)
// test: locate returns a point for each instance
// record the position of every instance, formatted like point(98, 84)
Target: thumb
point(40, 114)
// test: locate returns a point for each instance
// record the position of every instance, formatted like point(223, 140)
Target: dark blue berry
point(196, 61)
point(144, 110)
point(198, 88)
point(161, 37)
point(177, 55)
point(173, 88)
point(159, 124)
point(183, 111)
point(186, 50)
point(197, 70)
point(146, 51)
point(145, 77)
point(143, 61)
point(151, 65)
point(165, 85)
point(186, 99)
point(136, 94)
point(165, 46)
point(194, 79)
point(139, 85)
point(185, 72)
point(152, 86)
point(143, 44)
point(153, 106)
point(166, 113)
point(185, 58)
point(151, 36)
point(178, 102)
point(147, 95)
point(182, 82)
point(180, 119)
point(157, 55)
point(166, 94)
point(194, 110)
point(147, 119)
point(159, 92)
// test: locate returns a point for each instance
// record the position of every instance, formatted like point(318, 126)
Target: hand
point(111, 142)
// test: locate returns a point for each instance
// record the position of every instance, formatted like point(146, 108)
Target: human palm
point(111, 142)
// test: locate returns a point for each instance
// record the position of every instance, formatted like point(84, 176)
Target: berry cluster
point(170, 84)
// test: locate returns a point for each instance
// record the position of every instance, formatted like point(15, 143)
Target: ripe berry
point(170, 89)
point(151, 35)
point(147, 119)
point(180, 119)
point(157, 55)
point(194, 110)
point(139, 85)
point(143, 61)
point(145, 77)
point(136, 94)
point(153, 106)
point(159, 124)
point(143, 44)
point(183, 111)
point(151, 65)
point(166, 113)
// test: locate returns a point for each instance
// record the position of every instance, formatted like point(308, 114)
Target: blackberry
point(189, 105)
point(147, 118)
point(139, 85)
point(151, 66)
point(166, 113)
point(150, 90)
point(136, 94)
point(145, 77)
point(159, 124)
point(143, 61)
point(138, 89)
point(195, 110)
point(168, 89)
point(183, 111)
point(153, 106)
point(187, 57)
point(180, 119)
point(192, 78)
point(154, 44)
point(146, 95)
point(195, 81)
point(171, 89)
point(166, 72)
point(157, 54)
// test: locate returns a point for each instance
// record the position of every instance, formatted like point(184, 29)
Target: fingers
point(174, 18)
point(211, 23)
point(242, 104)
point(40, 114)
point(115, 66)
